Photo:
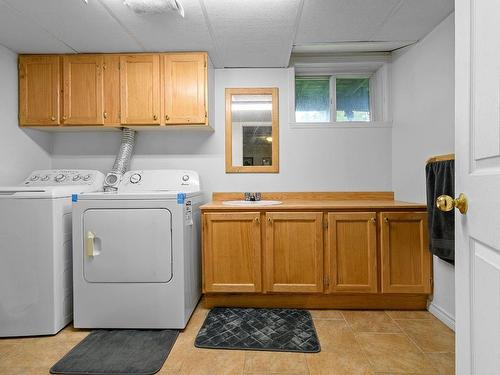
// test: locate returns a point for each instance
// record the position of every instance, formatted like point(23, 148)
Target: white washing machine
point(35, 251)
point(137, 252)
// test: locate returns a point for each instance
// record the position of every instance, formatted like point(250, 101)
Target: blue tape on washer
point(181, 197)
point(74, 198)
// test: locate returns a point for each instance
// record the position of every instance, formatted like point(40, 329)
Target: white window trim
point(379, 81)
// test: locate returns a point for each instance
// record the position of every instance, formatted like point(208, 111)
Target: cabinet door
point(111, 83)
point(83, 89)
point(294, 252)
point(185, 88)
point(351, 252)
point(39, 86)
point(232, 252)
point(140, 89)
point(405, 258)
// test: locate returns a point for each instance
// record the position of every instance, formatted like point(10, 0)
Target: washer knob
point(135, 178)
point(87, 177)
point(60, 178)
point(185, 178)
point(34, 178)
point(77, 177)
point(45, 178)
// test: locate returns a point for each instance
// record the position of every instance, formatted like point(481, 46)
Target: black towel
point(440, 177)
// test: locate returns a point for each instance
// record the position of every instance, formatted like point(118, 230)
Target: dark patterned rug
point(283, 330)
point(118, 351)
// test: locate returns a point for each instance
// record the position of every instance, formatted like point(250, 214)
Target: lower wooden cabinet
point(290, 252)
point(294, 252)
point(351, 252)
point(405, 258)
point(232, 252)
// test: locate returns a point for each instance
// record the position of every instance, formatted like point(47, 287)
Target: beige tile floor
point(352, 342)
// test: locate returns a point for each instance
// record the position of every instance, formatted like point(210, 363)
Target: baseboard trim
point(442, 315)
point(319, 301)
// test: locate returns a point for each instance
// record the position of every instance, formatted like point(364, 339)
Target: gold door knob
point(53, 118)
point(446, 203)
point(155, 117)
point(167, 118)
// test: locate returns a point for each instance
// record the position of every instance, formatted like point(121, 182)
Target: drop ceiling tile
point(166, 32)
point(253, 33)
point(84, 27)
point(327, 21)
point(414, 19)
point(22, 35)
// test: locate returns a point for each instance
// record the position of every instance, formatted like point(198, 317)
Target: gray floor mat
point(286, 330)
point(125, 351)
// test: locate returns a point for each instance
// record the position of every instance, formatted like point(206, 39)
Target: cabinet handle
point(386, 219)
point(257, 220)
point(53, 118)
point(65, 118)
point(105, 114)
point(155, 117)
point(167, 118)
point(373, 220)
point(269, 220)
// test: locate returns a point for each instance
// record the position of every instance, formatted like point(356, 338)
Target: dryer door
point(127, 245)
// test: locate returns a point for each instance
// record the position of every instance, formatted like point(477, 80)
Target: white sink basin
point(251, 203)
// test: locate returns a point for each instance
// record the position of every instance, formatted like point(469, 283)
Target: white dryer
point(137, 252)
point(35, 250)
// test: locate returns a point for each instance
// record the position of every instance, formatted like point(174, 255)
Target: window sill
point(342, 125)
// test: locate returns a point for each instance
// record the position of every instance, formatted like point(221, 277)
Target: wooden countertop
point(319, 204)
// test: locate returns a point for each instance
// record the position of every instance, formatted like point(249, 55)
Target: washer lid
point(32, 192)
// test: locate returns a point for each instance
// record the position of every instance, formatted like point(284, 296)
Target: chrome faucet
point(253, 196)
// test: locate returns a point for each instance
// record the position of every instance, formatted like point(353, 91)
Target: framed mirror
point(252, 130)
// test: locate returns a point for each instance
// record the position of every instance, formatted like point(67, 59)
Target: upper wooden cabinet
point(351, 252)
point(140, 89)
point(405, 258)
point(39, 87)
point(111, 83)
point(232, 252)
point(114, 89)
point(83, 89)
point(185, 88)
point(294, 252)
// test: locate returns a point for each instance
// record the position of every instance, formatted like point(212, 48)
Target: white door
point(127, 245)
point(477, 137)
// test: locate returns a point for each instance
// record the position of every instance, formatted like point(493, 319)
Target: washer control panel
point(65, 177)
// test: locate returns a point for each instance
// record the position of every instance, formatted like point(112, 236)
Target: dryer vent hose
point(122, 161)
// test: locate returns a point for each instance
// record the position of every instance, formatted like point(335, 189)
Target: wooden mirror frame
point(274, 168)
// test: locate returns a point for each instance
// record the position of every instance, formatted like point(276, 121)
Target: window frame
point(333, 94)
point(379, 94)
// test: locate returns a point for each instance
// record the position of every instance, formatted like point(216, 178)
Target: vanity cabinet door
point(351, 252)
point(83, 90)
point(39, 89)
point(140, 89)
point(294, 252)
point(232, 252)
point(185, 88)
point(405, 259)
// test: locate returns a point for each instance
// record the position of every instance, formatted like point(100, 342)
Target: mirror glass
point(252, 130)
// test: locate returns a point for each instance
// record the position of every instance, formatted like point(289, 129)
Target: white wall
point(423, 115)
point(310, 159)
point(21, 151)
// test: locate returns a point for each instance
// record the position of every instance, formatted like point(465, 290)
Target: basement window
point(333, 98)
